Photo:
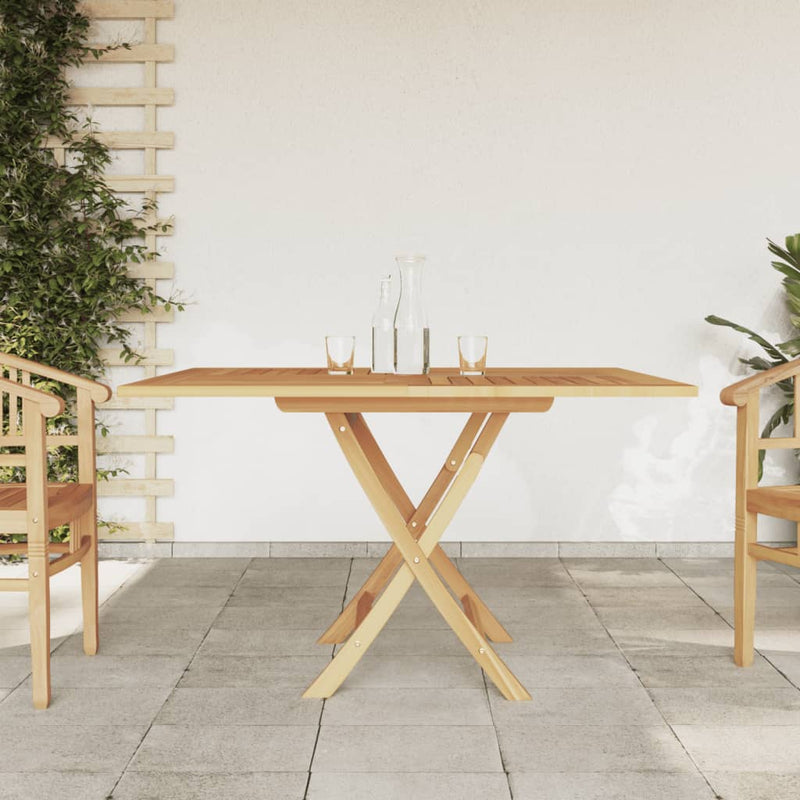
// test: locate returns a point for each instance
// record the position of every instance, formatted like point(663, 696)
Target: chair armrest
point(99, 391)
point(737, 394)
point(49, 403)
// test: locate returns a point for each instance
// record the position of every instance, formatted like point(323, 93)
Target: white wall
point(588, 181)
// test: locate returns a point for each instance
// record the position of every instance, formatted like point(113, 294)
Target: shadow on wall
point(662, 497)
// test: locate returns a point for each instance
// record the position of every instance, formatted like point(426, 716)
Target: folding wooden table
point(415, 531)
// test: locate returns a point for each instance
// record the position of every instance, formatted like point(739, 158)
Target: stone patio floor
point(196, 690)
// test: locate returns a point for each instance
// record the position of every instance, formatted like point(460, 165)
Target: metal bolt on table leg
point(416, 559)
point(481, 650)
point(342, 428)
point(357, 643)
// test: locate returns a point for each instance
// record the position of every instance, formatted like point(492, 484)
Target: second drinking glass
point(411, 335)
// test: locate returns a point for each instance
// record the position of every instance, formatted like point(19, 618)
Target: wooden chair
point(752, 499)
point(36, 507)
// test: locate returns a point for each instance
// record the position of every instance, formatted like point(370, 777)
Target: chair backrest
point(25, 407)
point(745, 395)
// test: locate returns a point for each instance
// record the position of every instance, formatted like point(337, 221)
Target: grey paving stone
point(415, 596)
point(532, 596)
point(729, 706)
point(658, 618)
point(514, 573)
point(706, 566)
point(190, 578)
point(170, 618)
point(721, 597)
point(127, 707)
point(409, 672)
point(62, 748)
point(359, 706)
point(416, 616)
point(228, 706)
point(226, 748)
point(769, 617)
point(643, 597)
point(689, 642)
point(779, 640)
point(634, 572)
point(171, 597)
point(303, 565)
point(576, 706)
point(608, 786)
point(211, 786)
point(723, 581)
point(407, 785)
point(13, 670)
point(256, 672)
point(746, 748)
point(264, 642)
point(787, 663)
point(61, 785)
point(570, 616)
point(572, 671)
point(254, 595)
point(704, 671)
point(407, 748)
point(115, 672)
point(420, 642)
point(755, 785)
point(297, 572)
point(554, 641)
point(15, 644)
point(123, 639)
point(595, 748)
point(286, 616)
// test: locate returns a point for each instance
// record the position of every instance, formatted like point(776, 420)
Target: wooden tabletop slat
point(499, 382)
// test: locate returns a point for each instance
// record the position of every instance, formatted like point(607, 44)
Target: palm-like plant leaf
point(770, 349)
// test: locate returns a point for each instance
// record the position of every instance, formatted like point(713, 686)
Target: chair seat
point(775, 501)
point(65, 503)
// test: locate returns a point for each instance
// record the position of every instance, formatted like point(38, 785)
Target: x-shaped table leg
point(415, 552)
point(416, 519)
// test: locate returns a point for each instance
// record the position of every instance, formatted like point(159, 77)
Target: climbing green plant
point(788, 264)
point(66, 239)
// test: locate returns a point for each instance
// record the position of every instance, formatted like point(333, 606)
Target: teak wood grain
point(512, 383)
point(416, 531)
point(752, 499)
point(35, 507)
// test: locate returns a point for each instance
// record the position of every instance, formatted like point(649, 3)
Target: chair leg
point(87, 526)
point(744, 592)
point(39, 617)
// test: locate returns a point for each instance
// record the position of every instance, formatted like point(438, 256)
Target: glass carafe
point(411, 336)
point(383, 330)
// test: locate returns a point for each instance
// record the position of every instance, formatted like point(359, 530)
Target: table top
point(498, 382)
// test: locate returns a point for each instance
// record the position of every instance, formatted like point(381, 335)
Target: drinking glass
point(340, 351)
point(472, 354)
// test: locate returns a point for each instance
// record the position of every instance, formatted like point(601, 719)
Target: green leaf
point(770, 349)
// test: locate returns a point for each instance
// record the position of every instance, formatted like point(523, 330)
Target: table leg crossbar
point(416, 532)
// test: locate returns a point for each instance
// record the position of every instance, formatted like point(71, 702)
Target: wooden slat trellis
point(150, 96)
